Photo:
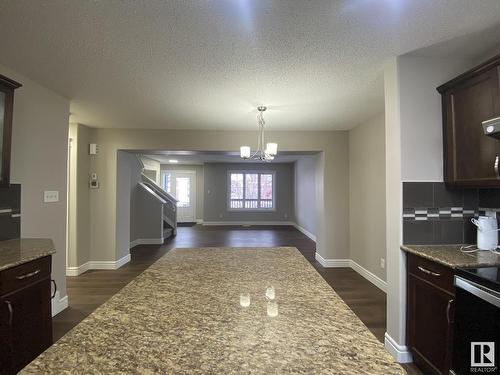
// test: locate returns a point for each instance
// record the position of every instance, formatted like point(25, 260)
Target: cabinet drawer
point(24, 274)
point(435, 273)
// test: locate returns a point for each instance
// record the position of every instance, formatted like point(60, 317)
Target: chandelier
point(263, 154)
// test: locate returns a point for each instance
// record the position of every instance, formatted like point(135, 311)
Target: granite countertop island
point(206, 311)
point(451, 256)
point(23, 250)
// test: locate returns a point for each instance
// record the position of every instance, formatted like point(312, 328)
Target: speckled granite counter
point(451, 256)
point(185, 314)
point(19, 251)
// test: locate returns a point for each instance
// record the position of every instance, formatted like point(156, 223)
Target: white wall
point(413, 153)
point(39, 163)
point(305, 193)
point(367, 195)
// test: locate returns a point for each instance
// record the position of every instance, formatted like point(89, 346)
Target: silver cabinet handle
point(497, 172)
point(448, 308)
point(428, 272)
point(27, 275)
point(11, 312)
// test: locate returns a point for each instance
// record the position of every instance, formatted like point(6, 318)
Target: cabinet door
point(6, 355)
point(429, 327)
point(469, 154)
point(31, 322)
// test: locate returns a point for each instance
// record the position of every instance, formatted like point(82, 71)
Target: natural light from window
point(251, 191)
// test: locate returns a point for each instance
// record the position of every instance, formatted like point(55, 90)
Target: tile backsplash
point(436, 214)
point(10, 212)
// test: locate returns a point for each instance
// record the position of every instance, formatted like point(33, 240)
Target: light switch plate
point(50, 196)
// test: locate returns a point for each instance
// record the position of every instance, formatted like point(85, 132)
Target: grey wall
point(147, 210)
point(78, 197)
point(39, 162)
point(200, 183)
point(216, 193)
point(367, 195)
point(305, 192)
point(127, 176)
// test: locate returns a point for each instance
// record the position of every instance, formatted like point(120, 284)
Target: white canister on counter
point(487, 232)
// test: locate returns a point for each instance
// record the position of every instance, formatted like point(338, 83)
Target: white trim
point(147, 241)
point(247, 223)
point(305, 231)
point(109, 264)
point(374, 279)
point(401, 353)
point(77, 271)
point(58, 304)
point(332, 263)
point(349, 263)
point(199, 221)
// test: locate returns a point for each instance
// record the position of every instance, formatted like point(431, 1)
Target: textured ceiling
point(208, 64)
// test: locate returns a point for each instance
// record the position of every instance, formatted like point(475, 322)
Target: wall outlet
point(382, 262)
point(50, 196)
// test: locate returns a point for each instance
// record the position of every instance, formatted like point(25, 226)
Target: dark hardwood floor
point(89, 290)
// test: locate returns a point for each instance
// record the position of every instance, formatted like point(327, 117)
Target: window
point(251, 191)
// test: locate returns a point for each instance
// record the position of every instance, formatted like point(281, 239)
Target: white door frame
point(193, 188)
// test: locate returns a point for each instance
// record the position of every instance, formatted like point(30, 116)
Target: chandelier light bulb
point(245, 152)
point(272, 149)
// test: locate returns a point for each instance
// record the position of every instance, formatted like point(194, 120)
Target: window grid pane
point(251, 191)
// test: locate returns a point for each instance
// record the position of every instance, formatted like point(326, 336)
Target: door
point(29, 323)
point(469, 154)
point(182, 185)
point(429, 327)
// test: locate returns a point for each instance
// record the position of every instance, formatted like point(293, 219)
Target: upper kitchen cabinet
point(7, 87)
point(470, 156)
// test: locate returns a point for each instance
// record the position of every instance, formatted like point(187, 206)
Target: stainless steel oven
point(476, 335)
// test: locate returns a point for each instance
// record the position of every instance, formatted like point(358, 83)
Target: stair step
point(167, 232)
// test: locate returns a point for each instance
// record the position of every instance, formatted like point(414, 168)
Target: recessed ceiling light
point(173, 161)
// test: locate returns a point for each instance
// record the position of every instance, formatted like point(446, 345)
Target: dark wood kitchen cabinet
point(430, 301)
point(467, 101)
point(25, 313)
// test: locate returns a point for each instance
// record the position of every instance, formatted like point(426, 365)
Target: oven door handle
point(486, 294)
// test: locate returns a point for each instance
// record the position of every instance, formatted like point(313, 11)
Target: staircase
point(169, 206)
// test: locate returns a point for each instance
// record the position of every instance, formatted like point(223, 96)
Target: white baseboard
point(335, 263)
point(250, 223)
point(58, 304)
point(147, 241)
point(371, 277)
point(109, 264)
point(332, 263)
point(199, 221)
point(401, 353)
point(98, 265)
point(305, 231)
point(76, 271)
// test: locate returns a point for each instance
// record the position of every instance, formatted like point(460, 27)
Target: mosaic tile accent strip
point(423, 214)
